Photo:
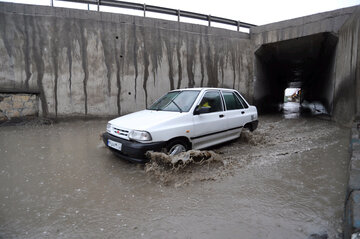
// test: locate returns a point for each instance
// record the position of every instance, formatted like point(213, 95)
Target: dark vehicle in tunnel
point(181, 120)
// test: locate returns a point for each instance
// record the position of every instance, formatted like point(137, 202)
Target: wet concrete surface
point(285, 180)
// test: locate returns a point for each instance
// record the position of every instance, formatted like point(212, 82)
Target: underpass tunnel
point(305, 63)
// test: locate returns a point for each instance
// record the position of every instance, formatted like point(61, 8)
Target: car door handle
point(221, 116)
point(242, 112)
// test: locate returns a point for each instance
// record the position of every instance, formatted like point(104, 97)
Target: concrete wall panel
point(95, 63)
point(91, 63)
point(347, 96)
point(300, 27)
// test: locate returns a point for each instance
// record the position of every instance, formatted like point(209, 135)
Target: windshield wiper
point(157, 106)
point(176, 105)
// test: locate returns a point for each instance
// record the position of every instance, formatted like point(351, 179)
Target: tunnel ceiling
point(296, 60)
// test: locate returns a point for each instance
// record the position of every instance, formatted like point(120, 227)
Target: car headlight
point(140, 135)
point(108, 127)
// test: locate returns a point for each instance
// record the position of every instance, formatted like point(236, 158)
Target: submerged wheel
point(249, 127)
point(176, 146)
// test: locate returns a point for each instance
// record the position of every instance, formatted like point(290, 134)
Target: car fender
point(181, 126)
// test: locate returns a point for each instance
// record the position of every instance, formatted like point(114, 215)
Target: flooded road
point(285, 180)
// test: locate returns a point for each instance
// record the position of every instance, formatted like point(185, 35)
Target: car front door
point(209, 126)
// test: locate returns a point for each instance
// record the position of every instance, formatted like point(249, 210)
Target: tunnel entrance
point(305, 63)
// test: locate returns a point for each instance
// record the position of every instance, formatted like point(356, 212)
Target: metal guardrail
point(169, 11)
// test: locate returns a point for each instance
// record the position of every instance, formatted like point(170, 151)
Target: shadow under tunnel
point(305, 63)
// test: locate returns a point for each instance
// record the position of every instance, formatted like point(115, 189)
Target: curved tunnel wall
point(91, 63)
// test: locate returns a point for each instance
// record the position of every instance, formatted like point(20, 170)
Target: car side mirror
point(201, 110)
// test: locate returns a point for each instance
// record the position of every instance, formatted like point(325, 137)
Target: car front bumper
point(132, 151)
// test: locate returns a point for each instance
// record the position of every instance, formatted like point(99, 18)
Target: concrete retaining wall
point(94, 63)
point(347, 71)
point(100, 64)
point(352, 205)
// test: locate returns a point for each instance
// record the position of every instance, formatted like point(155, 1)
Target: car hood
point(144, 120)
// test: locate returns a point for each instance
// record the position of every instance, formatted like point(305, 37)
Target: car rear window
point(232, 102)
point(242, 100)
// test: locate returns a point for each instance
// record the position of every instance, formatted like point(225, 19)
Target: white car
point(182, 119)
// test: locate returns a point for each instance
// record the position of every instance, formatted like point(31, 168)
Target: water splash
point(193, 165)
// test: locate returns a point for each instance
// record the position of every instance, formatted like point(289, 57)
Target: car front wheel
point(176, 146)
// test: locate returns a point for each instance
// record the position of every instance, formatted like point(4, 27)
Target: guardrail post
point(144, 10)
point(238, 25)
point(98, 5)
point(178, 12)
point(52, 3)
point(88, 7)
point(209, 20)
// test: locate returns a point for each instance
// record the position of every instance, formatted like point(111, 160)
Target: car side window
point(231, 101)
point(212, 100)
point(242, 100)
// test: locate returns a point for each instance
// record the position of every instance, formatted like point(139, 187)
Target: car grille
point(121, 132)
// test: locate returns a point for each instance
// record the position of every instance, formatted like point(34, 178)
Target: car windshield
point(178, 101)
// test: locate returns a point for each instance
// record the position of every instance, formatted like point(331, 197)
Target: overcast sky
point(257, 12)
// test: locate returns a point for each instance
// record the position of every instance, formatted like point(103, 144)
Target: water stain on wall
point(7, 37)
point(201, 56)
point(190, 59)
point(56, 52)
point(38, 50)
point(135, 50)
point(84, 57)
point(119, 41)
point(157, 52)
point(108, 49)
point(212, 61)
point(55, 45)
point(169, 53)
point(4, 33)
point(233, 65)
point(67, 33)
point(26, 50)
point(179, 56)
point(146, 62)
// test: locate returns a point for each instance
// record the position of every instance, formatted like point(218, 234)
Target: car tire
point(176, 146)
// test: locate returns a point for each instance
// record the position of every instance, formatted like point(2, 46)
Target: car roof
point(203, 88)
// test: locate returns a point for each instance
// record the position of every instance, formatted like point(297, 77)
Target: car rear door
point(235, 111)
point(209, 128)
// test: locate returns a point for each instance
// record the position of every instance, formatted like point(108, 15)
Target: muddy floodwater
point(285, 180)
